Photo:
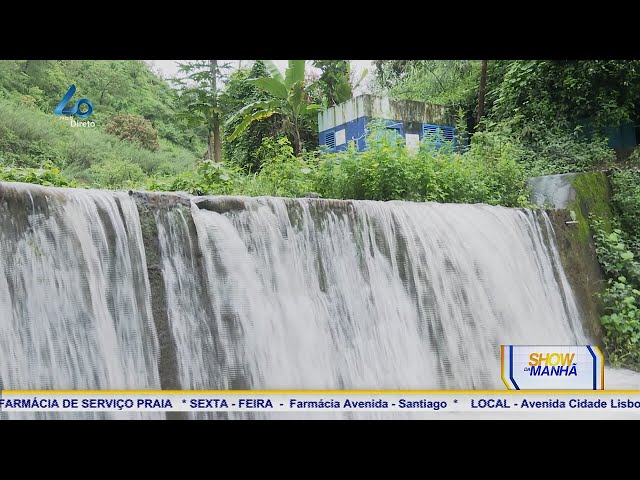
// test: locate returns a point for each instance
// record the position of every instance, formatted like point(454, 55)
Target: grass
point(32, 138)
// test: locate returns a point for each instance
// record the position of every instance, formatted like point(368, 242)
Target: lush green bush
point(614, 255)
point(281, 174)
point(563, 152)
point(28, 138)
point(48, 176)
point(209, 178)
point(133, 128)
point(116, 173)
point(566, 92)
point(622, 323)
point(621, 298)
point(548, 151)
point(626, 199)
point(488, 173)
point(634, 158)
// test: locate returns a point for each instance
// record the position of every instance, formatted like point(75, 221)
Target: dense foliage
point(113, 86)
point(550, 93)
point(559, 113)
point(32, 139)
point(288, 103)
point(134, 128)
point(618, 252)
point(621, 298)
point(243, 149)
point(626, 200)
point(386, 170)
point(548, 151)
point(453, 83)
point(49, 176)
point(568, 92)
point(488, 173)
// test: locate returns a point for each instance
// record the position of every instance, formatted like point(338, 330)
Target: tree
point(390, 72)
point(237, 94)
point(452, 83)
point(288, 102)
point(481, 90)
point(108, 77)
point(568, 92)
point(335, 81)
point(199, 87)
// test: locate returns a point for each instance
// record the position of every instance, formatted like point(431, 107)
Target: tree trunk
point(210, 148)
point(216, 154)
point(297, 141)
point(483, 85)
point(217, 146)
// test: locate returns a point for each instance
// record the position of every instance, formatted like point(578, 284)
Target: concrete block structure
point(412, 121)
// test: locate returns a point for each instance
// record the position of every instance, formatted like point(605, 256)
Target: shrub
point(546, 151)
point(487, 173)
point(209, 178)
point(634, 158)
point(626, 199)
point(621, 298)
point(281, 172)
point(134, 128)
point(48, 176)
point(116, 173)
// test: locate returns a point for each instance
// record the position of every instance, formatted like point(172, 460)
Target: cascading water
point(74, 294)
point(272, 293)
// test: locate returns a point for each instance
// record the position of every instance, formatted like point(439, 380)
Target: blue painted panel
point(441, 133)
point(622, 137)
point(354, 130)
point(357, 130)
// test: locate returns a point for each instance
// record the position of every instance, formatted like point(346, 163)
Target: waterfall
point(271, 293)
point(390, 295)
point(74, 294)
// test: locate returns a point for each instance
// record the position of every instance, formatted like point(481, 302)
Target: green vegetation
point(618, 248)
point(453, 83)
point(113, 86)
point(621, 298)
point(335, 82)
point(487, 173)
point(34, 139)
point(49, 176)
point(200, 98)
point(134, 128)
point(150, 134)
point(243, 150)
point(626, 200)
point(592, 198)
point(288, 101)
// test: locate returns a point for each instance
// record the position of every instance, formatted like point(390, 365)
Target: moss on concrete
point(576, 247)
point(593, 196)
point(582, 270)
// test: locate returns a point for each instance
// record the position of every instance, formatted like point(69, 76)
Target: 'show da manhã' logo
point(62, 108)
point(552, 367)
